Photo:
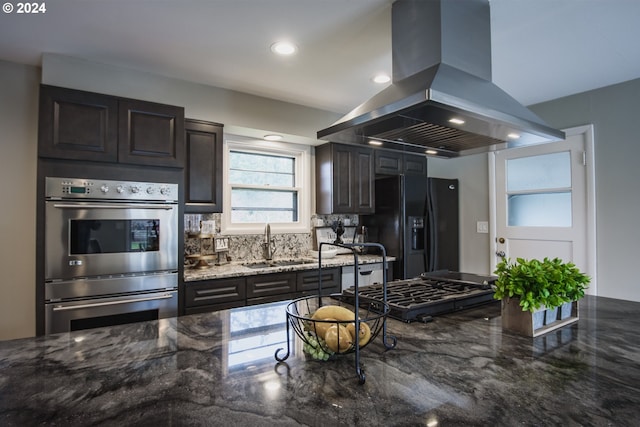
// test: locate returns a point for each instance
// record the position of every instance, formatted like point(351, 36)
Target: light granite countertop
point(236, 269)
point(218, 369)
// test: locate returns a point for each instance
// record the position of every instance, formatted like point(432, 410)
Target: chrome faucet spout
point(268, 244)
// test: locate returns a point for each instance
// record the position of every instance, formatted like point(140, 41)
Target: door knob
point(501, 254)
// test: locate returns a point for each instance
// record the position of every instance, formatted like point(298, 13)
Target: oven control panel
point(77, 188)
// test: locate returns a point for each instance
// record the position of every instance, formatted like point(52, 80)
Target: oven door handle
point(111, 206)
point(102, 304)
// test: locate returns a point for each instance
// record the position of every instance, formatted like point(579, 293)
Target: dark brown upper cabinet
point(344, 179)
point(203, 169)
point(150, 134)
point(398, 163)
point(79, 125)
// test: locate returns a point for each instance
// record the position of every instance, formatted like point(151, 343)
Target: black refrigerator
point(416, 219)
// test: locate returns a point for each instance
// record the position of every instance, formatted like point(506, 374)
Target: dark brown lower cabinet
point(219, 294)
point(212, 295)
point(270, 287)
point(307, 281)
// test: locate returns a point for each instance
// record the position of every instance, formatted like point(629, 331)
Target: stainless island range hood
point(442, 99)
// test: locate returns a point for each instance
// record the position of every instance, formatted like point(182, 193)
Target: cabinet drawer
point(270, 284)
point(307, 281)
point(214, 292)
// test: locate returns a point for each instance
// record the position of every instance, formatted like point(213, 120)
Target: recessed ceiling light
point(431, 152)
point(381, 78)
point(513, 136)
point(456, 121)
point(372, 142)
point(272, 137)
point(283, 48)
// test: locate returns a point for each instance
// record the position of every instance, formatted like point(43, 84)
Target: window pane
point(272, 174)
point(540, 210)
point(255, 205)
point(542, 172)
point(261, 169)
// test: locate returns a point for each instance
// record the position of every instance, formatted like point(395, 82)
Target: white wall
point(19, 124)
point(614, 112)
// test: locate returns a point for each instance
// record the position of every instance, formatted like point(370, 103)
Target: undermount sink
point(277, 263)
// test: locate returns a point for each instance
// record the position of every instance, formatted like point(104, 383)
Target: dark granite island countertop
point(218, 369)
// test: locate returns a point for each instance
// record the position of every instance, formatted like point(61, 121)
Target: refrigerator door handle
point(431, 237)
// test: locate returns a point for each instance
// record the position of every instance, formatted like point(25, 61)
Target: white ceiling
point(542, 49)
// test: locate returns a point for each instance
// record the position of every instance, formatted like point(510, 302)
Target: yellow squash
point(334, 312)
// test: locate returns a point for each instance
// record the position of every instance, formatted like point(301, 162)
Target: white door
point(545, 203)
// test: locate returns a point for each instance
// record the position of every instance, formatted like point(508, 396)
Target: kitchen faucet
point(269, 244)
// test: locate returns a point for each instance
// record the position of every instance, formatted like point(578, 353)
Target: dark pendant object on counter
point(339, 230)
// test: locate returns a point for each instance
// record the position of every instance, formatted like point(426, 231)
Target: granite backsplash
point(248, 247)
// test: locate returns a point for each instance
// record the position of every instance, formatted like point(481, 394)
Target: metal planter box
point(522, 322)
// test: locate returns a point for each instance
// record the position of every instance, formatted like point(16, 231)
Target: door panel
point(529, 248)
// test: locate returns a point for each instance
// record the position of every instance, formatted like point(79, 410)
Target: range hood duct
point(441, 53)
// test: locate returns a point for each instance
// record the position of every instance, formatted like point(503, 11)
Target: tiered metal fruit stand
point(373, 314)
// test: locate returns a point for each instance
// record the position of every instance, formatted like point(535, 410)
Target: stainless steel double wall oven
point(111, 252)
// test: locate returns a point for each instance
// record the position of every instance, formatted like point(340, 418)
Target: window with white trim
point(266, 182)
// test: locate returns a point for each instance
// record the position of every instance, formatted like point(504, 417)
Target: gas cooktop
point(430, 294)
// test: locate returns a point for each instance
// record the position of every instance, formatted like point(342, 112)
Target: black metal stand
point(293, 320)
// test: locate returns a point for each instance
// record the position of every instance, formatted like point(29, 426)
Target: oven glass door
point(86, 239)
point(112, 236)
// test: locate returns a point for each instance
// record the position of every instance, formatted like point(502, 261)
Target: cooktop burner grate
point(416, 299)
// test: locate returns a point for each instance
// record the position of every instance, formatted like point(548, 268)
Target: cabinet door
point(307, 281)
point(343, 179)
point(203, 168)
point(364, 179)
point(214, 292)
point(388, 162)
point(397, 163)
point(77, 125)
point(415, 165)
point(150, 134)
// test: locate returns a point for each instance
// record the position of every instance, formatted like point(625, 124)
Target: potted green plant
point(539, 288)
